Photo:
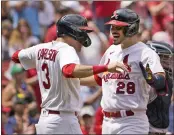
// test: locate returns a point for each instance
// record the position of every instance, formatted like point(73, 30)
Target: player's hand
point(117, 67)
point(147, 73)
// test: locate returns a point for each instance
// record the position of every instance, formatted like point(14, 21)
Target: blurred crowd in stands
point(28, 23)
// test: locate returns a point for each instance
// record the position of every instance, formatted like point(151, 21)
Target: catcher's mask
point(166, 54)
point(75, 26)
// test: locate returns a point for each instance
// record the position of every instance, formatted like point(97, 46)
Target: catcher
point(158, 106)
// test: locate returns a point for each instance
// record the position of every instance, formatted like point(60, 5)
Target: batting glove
point(156, 81)
point(147, 73)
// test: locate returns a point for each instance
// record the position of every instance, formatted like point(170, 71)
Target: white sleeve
point(102, 62)
point(105, 60)
point(27, 57)
point(102, 36)
point(68, 55)
point(152, 58)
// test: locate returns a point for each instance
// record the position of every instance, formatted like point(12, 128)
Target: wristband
point(99, 69)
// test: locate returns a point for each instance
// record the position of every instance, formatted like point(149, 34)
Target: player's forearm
point(88, 81)
point(82, 71)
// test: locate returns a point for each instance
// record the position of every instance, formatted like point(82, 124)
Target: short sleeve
point(102, 36)
point(27, 57)
point(68, 55)
point(102, 62)
point(105, 59)
point(152, 58)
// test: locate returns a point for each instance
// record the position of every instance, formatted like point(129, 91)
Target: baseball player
point(158, 106)
point(125, 95)
point(58, 70)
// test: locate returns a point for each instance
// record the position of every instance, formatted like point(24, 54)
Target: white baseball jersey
point(128, 90)
point(58, 92)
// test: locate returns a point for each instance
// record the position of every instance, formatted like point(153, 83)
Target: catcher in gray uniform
point(159, 103)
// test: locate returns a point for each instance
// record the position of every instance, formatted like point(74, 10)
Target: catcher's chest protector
point(158, 110)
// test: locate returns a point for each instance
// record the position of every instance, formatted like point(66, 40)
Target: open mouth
point(116, 35)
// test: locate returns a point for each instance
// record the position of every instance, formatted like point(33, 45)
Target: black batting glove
point(156, 81)
point(147, 73)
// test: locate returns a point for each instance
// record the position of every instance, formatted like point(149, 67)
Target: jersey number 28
point(45, 68)
point(130, 88)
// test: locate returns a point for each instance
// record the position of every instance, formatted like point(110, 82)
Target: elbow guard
point(68, 69)
point(15, 57)
point(99, 69)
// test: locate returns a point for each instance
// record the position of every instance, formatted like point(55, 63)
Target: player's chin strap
point(157, 81)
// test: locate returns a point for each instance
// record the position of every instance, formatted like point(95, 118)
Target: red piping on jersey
point(15, 57)
point(125, 61)
point(108, 62)
point(68, 69)
point(98, 80)
point(99, 69)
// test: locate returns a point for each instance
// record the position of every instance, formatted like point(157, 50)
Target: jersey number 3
point(46, 84)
